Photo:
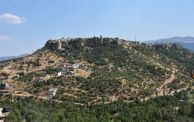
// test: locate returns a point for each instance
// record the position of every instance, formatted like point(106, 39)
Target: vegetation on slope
point(119, 78)
point(161, 109)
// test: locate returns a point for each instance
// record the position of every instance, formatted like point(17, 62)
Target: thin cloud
point(4, 38)
point(11, 19)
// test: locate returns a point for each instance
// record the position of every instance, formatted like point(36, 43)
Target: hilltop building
point(84, 42)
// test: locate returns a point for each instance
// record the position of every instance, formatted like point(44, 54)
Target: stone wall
point(85, 42)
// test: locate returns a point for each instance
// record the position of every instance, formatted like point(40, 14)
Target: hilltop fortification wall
point(85, 42)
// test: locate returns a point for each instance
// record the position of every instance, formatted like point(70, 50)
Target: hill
point(91, 74)
point(99, 79)
point(186, 42)
point(96, 70)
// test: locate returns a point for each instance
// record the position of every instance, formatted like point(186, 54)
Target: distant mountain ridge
point(7, 58)
point(186, 42)
point(11, 57)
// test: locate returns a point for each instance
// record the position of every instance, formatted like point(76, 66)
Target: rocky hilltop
point(78, 43)
point(85, 42)
point(100, 70)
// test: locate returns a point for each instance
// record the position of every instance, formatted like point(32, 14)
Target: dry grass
point(82, 73)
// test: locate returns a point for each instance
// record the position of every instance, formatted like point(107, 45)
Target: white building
point(2, 117)
point(75, 66)
point(59, 74)
point(52, 92)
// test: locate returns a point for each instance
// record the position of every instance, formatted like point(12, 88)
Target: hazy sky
point(25, 25)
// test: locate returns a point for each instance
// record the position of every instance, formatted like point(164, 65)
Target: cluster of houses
point(64, 69)
point(68, 69)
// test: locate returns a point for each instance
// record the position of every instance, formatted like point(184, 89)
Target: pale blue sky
point(25, 25)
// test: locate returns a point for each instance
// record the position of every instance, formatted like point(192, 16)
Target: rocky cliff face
point(85, 42)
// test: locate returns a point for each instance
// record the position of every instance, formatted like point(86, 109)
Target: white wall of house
point(59, 74)
point(1, 115)
point(1, 109)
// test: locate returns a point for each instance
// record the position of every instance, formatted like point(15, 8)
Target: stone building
point(84, 42)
